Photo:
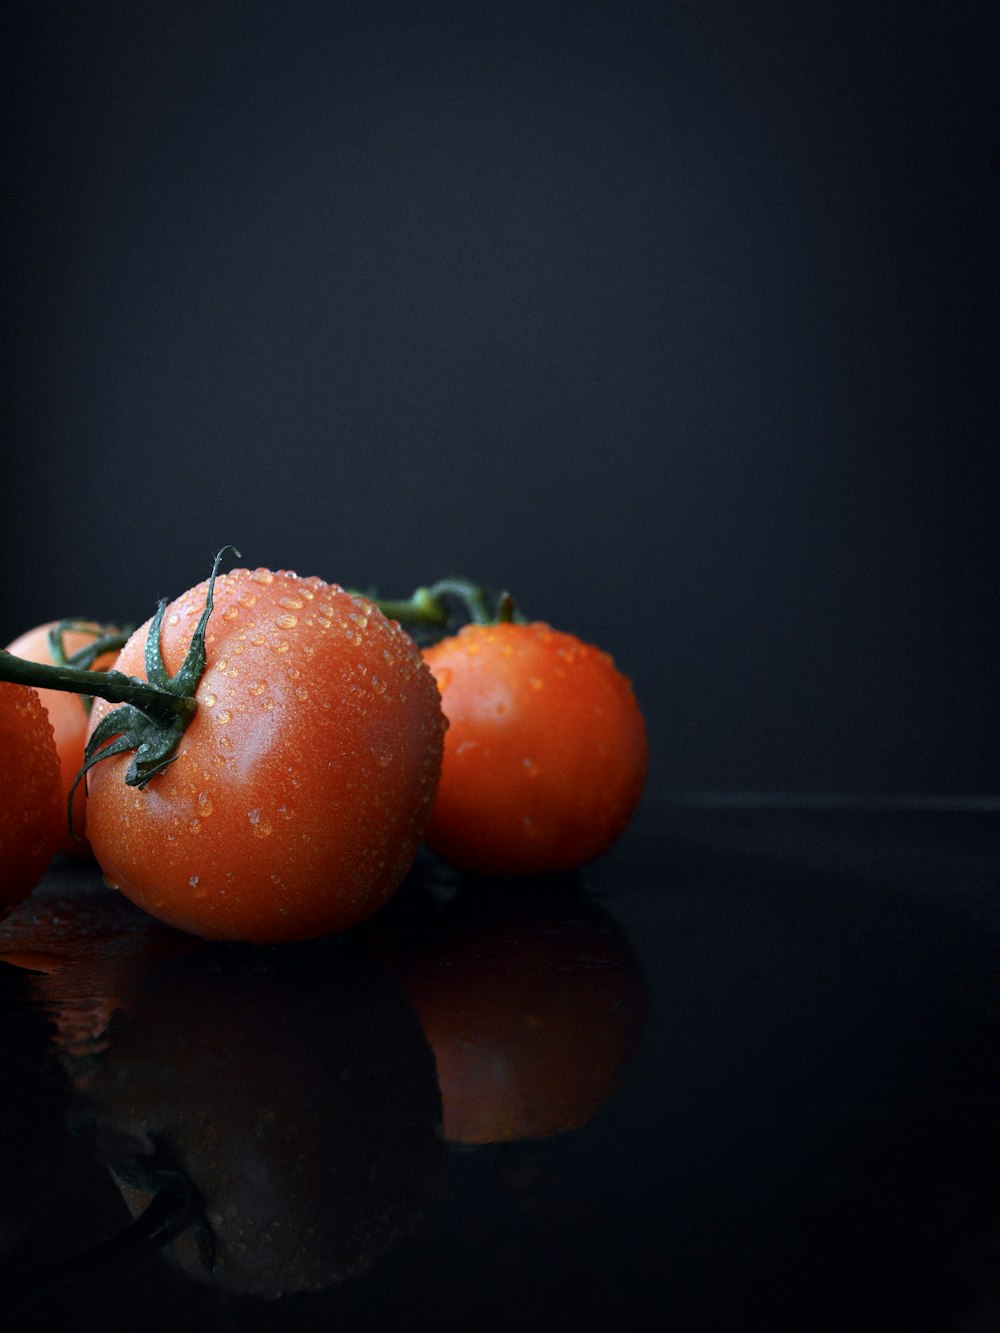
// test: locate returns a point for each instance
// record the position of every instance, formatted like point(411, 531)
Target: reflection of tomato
point(31, 813)
point(294, 1090)
point(533, 1004)
point(32, 1110)
point(300, 790)
point(69, 716)
point(86, 953)
point(545, 754)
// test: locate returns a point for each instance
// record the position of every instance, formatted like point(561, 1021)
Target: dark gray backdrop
point(679, 320)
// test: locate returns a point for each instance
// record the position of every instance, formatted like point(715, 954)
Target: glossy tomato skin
point(31, 810)
point(303, 784)
point(546, 751)
point(70, 718)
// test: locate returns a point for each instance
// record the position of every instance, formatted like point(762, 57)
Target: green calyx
point(153, 714)
point(443, 606)
point(153, 726)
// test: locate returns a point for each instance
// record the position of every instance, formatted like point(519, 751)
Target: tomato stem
point(151, 716)
point(114, 686)
point(431, 606)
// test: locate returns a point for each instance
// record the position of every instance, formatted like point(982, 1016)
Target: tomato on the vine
point(31, 812)
point(296, 798)
point(545, 755)
point(69, 714)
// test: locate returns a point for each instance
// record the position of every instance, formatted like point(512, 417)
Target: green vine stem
point(151, 716)
point(103, 639)
point(431, 607)
point(114, 686)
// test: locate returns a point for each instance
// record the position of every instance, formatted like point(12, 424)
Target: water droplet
point(359, 620)
point(231, 613)
point(262, 576)
point(256, 687)
point(259, 822)
point(287, 621)
point(205, 803)
point(223, 717)
point(173, 619)
point(248, 600)
point(209, 699)
point(383, 755)
point(291, 603)
point(280, 645)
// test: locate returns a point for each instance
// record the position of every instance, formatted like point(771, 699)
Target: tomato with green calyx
point(31, 811)
point(89, 645)
point(299, 791)
point(269, 770)
point(546, 751)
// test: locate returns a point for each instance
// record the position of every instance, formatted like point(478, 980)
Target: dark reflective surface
point(743, 1073)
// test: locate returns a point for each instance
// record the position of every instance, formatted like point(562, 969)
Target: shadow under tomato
point(530, 995)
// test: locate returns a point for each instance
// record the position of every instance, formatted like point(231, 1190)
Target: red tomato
point(302, 786)
point(69, 717)
point(545, 755)
point(31, 810)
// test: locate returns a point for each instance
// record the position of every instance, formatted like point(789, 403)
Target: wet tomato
point(302, 786)
point(546, 751)
point(31, 811)
point(69, 715)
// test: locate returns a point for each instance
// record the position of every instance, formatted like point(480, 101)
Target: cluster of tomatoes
point(320, 747)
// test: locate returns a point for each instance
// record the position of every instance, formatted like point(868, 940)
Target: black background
point(679, 320)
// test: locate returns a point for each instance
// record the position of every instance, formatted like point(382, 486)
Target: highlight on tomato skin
point(69, 716)
point(302, 786)
point(546, 752)
point(533, 1001)
point(31, 812)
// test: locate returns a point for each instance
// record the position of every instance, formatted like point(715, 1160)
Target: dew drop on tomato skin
point(295, 724)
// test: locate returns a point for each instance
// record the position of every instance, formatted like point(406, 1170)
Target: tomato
point(69, 716)
point(546, 751)
point(533, 1004)
point(301, 788)
point(31, 811)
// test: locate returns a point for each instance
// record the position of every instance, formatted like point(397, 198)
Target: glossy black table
point(742, 1073)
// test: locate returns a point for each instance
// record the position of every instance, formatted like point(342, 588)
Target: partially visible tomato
point(69, 716)
point(302, 786)
point(546, 751)
point(31, 811)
